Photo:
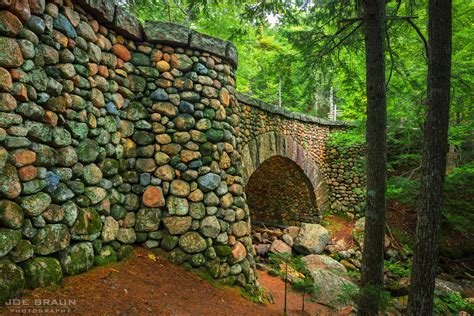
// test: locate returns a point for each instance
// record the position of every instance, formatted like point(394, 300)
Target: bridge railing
point(246, 99)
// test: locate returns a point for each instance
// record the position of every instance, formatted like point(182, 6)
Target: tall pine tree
point(435, 148)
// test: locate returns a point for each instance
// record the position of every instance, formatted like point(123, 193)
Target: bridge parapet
point(274, 109)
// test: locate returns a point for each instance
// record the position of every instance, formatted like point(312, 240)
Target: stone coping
point(288, 114)
point(122, 22)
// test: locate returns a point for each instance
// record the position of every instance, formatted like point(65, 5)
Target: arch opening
point(279, 192)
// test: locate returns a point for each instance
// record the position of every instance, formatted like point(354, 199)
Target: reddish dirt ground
point(340, 228)
point(142, 286)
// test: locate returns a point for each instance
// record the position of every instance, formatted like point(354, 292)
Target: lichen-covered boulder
point(11, 214)
point(77, 258)
point(9, 238)
point(311, 239)
point(87, 151)
point(279, 246)
point(126, 235)
point(51, 238)
point(177, 225)
point(148, 219)
point(109, 230)
point(168, 33)
point(12, 280)
point(333, 290)
point(240, 229)
point(177, 206)
point(315, 262)
point(239, 252)
point(34, 205)
point(10, 186)
point(11, 55)
point(210, 227)
point(42, 271)
point(192, 242)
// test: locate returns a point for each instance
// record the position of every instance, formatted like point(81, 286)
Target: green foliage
point(451, 303)
point(400, 269)
point(351, 137)
point(378, 294)
point(354, 274)
point(302, 48)
point(348, 295)
point(256, 294)
point(458, 208)
point(403, 190)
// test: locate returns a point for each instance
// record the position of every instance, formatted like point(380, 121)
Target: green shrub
point(451, 303)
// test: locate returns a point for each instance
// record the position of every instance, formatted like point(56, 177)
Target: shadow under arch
point(268, 145)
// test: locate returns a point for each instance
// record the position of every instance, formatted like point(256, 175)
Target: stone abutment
point(114, 134)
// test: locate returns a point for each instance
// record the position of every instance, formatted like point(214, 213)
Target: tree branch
point(343, 39)
point(388, 18)
point(420, 34)
point(392, 65)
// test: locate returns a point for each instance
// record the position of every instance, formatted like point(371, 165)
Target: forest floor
point(146, 284)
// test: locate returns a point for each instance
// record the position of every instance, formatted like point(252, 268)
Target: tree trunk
point(435, 146)
point(373, 250)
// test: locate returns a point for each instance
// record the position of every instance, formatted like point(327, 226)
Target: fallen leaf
point(152, 257)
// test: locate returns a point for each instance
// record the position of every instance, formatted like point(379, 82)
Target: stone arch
point(268, 145)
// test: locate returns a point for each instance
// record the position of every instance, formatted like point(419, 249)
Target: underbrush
point(458, 210)
point(451, 303)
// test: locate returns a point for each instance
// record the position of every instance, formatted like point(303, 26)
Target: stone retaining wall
point(111, 135)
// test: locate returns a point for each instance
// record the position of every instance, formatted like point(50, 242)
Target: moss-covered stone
point(77, 258)
point(124, 251)
point(11, 214)
point(169, 242)
point(34, 205)
point(42, 271)
point(197, 260)
point(12, 280)
point(177, 256)
point(136, 111)
point(106, 255)
point(51, 238)
point(148, 219)
point(223, 250)
point(88, 151)
point(87, 225)
point(215, 135)
point(10, 186)
point(213, 267)
point(9, 238)
point(22, 251)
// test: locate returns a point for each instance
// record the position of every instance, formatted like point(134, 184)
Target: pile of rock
point(306, 239)
point(309, 240)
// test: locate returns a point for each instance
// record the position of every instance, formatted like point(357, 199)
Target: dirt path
point(141, 286)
